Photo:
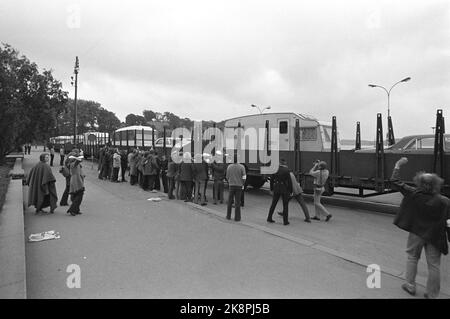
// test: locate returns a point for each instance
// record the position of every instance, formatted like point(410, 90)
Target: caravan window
point(283, 127)
point(308, 134)
point(327, 133)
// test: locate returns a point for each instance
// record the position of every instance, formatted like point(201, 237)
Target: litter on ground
point(47, 235)
point(154, 199)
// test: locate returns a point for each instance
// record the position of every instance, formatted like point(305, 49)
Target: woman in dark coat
point(42, 189)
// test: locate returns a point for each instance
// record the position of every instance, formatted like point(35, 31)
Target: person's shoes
point(425, 295)
point(270, 220)
point(73, 214)
point(228, 217)
point(315, 218)
point(203, 204)
point(215, 203)
point(286, 223)
point(79, 213)
point(221, 201)
point(37, 212)
point(307, 220)
point(328, 217)
point(52, 211)
point(408, 289)
point(237, 220)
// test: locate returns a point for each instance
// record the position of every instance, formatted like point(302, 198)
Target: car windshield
point(400, 144)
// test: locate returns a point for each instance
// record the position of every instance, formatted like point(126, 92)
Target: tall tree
point(29, 100)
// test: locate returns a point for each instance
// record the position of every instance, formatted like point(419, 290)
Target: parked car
point(415, 144)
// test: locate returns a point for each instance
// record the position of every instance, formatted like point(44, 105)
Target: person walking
point(297, 193)
point(42, 188)
point(425, 214)
point(116, 162)
point(218, 173)
point(62, 154)
point(186, 177)
point(236, 178)
point(52, 154)
point(77, 189)
point(320, 173)
point(281, 187)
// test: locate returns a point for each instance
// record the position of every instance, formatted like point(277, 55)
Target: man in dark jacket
point(218, 172)
point(281, 187)
point(423, 213)
point(186, 177)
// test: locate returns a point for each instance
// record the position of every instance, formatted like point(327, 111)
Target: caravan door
point(283, 131)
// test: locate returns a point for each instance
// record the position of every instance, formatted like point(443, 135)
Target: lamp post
point(75, 71)
point(261, 110)
point(391, 139)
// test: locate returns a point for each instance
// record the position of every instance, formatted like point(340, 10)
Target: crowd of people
point(188, 180)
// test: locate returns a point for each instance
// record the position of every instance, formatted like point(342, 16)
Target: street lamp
point(391, 139)
point(261, 110)
point(75, 71)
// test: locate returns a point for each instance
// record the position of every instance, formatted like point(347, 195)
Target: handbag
point(64, 171)
point(296, 188)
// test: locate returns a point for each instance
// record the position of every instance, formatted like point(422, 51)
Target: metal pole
point(358, 136)
point(75, 102)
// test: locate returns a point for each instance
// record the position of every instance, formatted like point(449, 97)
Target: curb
point(12, 244)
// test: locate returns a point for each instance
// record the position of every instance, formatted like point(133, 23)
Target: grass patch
point(5, 168)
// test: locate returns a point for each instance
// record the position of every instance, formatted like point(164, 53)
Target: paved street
point(129, 247)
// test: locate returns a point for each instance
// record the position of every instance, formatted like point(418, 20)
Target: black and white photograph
point(224, 154)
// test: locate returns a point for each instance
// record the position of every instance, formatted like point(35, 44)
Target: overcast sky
point(212, 59)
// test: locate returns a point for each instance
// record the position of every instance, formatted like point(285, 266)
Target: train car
point(314, 137)
point(135, 136)
point(64, 140)
point(92, 142)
